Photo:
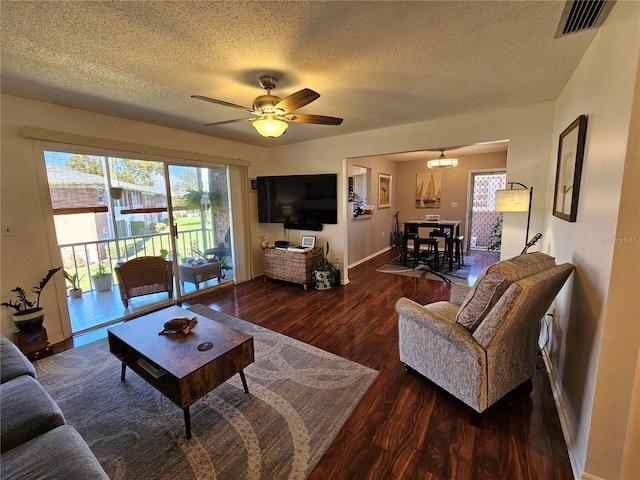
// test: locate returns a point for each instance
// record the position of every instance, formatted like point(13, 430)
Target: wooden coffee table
point(173, 364)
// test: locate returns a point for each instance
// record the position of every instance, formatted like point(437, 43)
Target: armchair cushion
point(494, 281)
point(459, 292)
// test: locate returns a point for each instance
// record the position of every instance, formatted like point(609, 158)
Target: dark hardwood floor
point(404, 427)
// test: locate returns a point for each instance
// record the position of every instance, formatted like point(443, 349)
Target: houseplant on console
point(29, 315)
point(325, 272)
point(102, 278)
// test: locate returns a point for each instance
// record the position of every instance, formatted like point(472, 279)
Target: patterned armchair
point(143, 276)
point(483, 343)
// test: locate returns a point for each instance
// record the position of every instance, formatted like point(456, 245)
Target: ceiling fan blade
point(222, 102)
point(297, 100)
point(317, 119)
point(237, 120)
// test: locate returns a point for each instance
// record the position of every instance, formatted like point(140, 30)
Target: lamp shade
point(512, 200)
point(270, 127)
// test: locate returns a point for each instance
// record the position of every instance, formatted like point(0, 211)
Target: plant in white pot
point(75, 291)
point(101, 277)
point(29, 315)
point(325, 272)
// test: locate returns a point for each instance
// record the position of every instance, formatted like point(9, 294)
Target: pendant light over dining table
point(442, 162)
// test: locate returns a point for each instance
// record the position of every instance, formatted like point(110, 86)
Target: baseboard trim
point(576, 465)
point(588, 476)
point(373, 255)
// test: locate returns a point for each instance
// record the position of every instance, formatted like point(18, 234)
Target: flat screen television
point(299, 201)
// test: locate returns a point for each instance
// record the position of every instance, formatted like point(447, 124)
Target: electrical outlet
point(454, 204)
point(7, 230)
point(382, 234)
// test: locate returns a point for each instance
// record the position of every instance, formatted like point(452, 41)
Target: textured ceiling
point(375, 64)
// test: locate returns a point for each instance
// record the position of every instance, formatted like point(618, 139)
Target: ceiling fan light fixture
point(270, 127)
point(442, 162)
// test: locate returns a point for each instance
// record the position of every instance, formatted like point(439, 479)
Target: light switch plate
point(454, 204)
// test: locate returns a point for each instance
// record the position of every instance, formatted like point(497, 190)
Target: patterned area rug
point(299, 398)
point(423, 271)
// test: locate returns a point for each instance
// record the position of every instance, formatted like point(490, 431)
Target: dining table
point(453, 227)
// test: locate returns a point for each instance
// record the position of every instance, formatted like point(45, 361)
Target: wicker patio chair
point(143, 276)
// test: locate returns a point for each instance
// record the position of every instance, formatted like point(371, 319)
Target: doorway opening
point(485, 224)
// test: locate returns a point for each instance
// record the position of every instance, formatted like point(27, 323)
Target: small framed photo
point(384, 190)
point(569, 170)
point(254, 184)
point(308, 241)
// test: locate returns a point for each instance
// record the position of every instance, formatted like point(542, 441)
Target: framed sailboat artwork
point(428, 186)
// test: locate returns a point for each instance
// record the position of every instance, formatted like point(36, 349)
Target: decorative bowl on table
point(432, 218)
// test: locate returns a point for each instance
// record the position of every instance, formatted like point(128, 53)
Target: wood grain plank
point(519, 438)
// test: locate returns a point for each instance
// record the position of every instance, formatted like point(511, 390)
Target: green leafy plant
point(201, 200)
point(196, 252)
point(326, 265)
point(23, 305)
point(101, 271)
point(73, 280)
point(495, 236)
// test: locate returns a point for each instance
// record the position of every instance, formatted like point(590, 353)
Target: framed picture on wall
point(569, 170)
point(384, 190)
point(428, 186)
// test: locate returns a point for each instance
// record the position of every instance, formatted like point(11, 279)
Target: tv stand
point(290, 266)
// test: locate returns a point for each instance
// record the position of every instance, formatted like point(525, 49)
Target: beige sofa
point(483, 342)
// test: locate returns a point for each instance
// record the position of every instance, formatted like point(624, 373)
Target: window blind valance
point(44, 134)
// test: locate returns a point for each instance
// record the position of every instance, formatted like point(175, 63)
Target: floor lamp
point(515, 200)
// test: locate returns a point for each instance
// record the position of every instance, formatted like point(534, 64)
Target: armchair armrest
point(434, 345)
point(459, 292)
point(434, 318)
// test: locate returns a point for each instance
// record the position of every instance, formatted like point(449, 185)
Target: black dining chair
point(441, 233)
point(410, 235)
point(430, 256)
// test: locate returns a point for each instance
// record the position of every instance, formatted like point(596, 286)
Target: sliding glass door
point(201, 226)
point(110, 209)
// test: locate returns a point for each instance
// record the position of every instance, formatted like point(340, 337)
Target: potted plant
point(29, 315)
point(325, 272)
point(102, 278)
point(495, 236)
point(202, 200)
point(74, 283)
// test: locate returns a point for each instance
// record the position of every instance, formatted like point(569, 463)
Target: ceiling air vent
point(579, 15)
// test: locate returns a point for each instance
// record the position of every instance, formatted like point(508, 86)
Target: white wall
point(26, 256)
point(602, 87)
point(528, 129)
point(370, 235)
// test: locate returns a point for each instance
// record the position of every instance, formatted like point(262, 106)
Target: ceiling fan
point(271, 113)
